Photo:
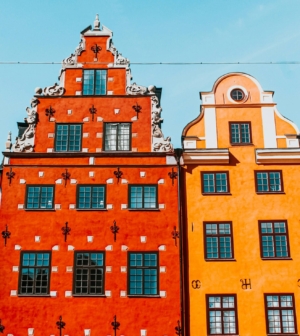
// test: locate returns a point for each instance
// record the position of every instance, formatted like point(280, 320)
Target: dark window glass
point(222, 314)
point(143, 197)
point(91, 197)
point(218, 241)
point(281, 316)
point(117, 136)
point(39, 197)
point(143, 273)
point(214, 182)
point(94, 82)
point(269, 181)
point(68, 138)
point(274, 239)
point(240, 133)
point(237, 94)
point(35, 273)
point(89, 273)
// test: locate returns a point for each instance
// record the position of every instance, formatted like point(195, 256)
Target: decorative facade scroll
point(135, 89)
point(121, 60)
point(71, 60)
point(54, 90)
point(159, 143)
point(25, 143)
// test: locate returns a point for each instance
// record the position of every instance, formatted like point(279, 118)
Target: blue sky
point(154, 31)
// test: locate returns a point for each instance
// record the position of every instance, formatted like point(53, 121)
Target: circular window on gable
point(237, 94)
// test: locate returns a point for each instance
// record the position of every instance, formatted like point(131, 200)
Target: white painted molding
point(123, 293)
point(54, 268)
point(69, 112)
point(50, 135)
point(18, 247)
point(134, 135)
point(142, 174)
point(22, 181)
point(124, 248)
point(110, 79)
point(86, 119)
point(73, 181)
point(110, 181)
point(98, 150)
point(90, 239)
point(269, 128)
point(277, 155)
point(59, 181)
point(69, 269)
point(78, 79)
point(117, 111)
point(206, 156)
point(143, 332)
point(108, 293)
point(71, 248)
point(20, 206)
point(13, 292)
point(41, 174)
point(161, 181)
point(85, 135)
point(134, 118)
point(123, 206)
point(162, 269)
point(85, 150)
point(78, 93)
point(99, 119)
point(163, 294)
point(143, 239)
point(68, 293)
point(87, 332)
point(53, 293)
point(109, 248)
point(108, 269)
point(190, 144)
point(123, 181)
point(123, 269)
point(57, 206)
point(6, 160)
point(109, 93)
point(55, 248)
point(109, 206)
point(134, 149)
point(210, 125)
point(37, 239)
point(52, 119)
point(72, 206)
point(30, 331)
point(91, 174)
point(50, 150)
point(99, 135)
point(91, 160)
point(15, 268)
point(161, 206)
point(162, 248)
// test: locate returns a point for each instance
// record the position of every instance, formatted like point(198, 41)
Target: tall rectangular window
point(215, 182)
point(94, 82)
point(89, 273)
point(68, 137)
point(143, 197)
point(280, 314)
point(117, 137)
point(222, 314)
point(35, 273)
point(268, 181)
point(39, 196)
point(274, 239)
point(240, 133)
point(143, 273)
point(91, 197)
point(218, 240)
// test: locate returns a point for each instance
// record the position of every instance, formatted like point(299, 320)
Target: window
point(268, 181)
point(218, 240)
point(91, 197)
point(215, 182)
point(240, 133)
point(280, 314)
point(143, 273)
point(117, 137)
point(237, 94)
point(39, 196)
point(274, 239)
point(143, 197)
point(94, 82)
point(68, 138)
point(89, 273)
point(35, 273)
point(222, 314)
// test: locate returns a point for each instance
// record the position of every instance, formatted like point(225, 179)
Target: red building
point(90, 200)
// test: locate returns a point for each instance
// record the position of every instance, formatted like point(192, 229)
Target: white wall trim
point(210, 125)
point(269, 128)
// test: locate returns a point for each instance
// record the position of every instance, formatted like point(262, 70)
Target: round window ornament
point(237, 95)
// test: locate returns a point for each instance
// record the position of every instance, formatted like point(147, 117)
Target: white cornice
point(205, 156)
point(277, 155)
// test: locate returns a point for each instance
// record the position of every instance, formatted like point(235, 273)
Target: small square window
point(91, 196)
point(68, 137)
point(274, 239)
point(268, 181)
point(240, 133)
point(143, 197)
point(222, 314)
point(89, 273)
point(280, 314)
point(94, 82)
point(35, 273)
point(215, 182)
point(143, 273)
point(218, 240)
point(117, 137)
point(39, 197)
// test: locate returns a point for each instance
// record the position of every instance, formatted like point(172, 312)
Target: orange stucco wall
point(244, 208)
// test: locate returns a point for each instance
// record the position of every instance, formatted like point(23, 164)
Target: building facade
point(89, 205)
point(242, 216)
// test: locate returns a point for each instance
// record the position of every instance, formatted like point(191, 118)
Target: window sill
point(241, 144)
point(219, 259)
point(282, 334)
point(117, 151)
point(144, 209)
point(105, 209)
point(89, 296)
point(285, 258)
point(217, 194)
point(269, 193)
point(34, 295)
point(143, 296)
point(38, 209)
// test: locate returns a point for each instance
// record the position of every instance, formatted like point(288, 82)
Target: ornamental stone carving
point(79, 49)
point(26, 142)
point(159, 143)
point(135, 89)
point(71, 60)
point(54, 90)
point(121, 60)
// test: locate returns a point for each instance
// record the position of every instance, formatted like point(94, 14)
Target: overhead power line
point(162, 63)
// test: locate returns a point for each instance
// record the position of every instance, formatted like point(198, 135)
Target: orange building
point(242, 216)
point(89, 206)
